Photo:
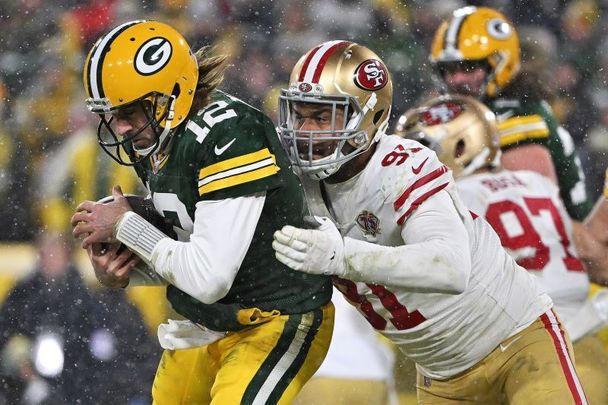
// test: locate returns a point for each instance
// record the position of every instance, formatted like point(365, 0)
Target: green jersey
point(521, 123)
point(227, 150)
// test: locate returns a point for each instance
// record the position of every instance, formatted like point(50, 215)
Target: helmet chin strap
point(478, 162)
point(163, 135)
point(354, 121)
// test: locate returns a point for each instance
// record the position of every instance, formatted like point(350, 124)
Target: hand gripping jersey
point(228, 150)
point(526, 211)
point(443, 333)
point(531, 122)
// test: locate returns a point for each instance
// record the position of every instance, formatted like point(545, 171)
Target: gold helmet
point(144, 62)
point(344, 76)
point(461, 130)
point(478, 35)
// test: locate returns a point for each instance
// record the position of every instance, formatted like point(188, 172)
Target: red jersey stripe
point(419, 201)
point(552, 327)
point(419, 183)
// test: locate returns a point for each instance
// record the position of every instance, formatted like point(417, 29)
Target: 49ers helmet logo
point(441, 113)
point(371, 75)
point(152, 56)
point(305, 87)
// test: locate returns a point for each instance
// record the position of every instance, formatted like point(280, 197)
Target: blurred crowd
point(48, 155)
point(50, 160)
point(63, 343)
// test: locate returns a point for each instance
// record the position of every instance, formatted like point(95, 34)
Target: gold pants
point(267, 364)
point(534, 366)
point(592, 368)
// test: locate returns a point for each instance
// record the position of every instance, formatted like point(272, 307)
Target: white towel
point(177, 335)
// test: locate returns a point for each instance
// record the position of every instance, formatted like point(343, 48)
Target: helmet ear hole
point(459, 149)
point(176, 90)
point(377, 117)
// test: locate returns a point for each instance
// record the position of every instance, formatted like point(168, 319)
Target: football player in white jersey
point(526, 211)
point(403, 249)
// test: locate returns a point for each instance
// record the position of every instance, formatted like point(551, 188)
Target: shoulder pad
point(410, 173)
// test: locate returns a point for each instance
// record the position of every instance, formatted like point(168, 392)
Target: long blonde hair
point(211, 69)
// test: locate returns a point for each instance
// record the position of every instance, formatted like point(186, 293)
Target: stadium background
point(49, 158)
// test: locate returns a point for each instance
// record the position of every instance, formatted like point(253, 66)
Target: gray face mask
point(320, 153)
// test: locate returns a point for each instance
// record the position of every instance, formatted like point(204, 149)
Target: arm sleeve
point(206, 266)
point(435, 257)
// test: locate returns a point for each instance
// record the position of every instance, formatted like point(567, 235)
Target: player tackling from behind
point(422, 269)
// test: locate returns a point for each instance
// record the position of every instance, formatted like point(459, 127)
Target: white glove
point(314, 251)
point(177, 335)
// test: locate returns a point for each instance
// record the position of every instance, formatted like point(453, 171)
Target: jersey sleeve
point(528, 124)
point(238, 158)
point(472, 194)
point(424, 177)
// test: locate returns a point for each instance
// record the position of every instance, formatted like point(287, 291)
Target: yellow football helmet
point(338, 75)
point(140, 62)
point(478, 34)
point(461, 130)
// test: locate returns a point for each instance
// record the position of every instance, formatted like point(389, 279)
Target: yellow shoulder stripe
point(238, 170)
point(238, 179)
point(520, 120)
point(520, 128)
point(235, 162)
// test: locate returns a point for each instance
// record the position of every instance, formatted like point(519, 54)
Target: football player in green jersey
point(476, 52)
point(215, 168)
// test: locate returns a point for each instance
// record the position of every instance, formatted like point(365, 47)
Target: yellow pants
point(534, 366)
point(592, 368)
point(267, 364)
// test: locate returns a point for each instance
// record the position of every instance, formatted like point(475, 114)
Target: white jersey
point(443, 333)
point(533, 225)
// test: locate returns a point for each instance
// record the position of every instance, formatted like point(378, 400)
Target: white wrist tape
point(138, 235)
